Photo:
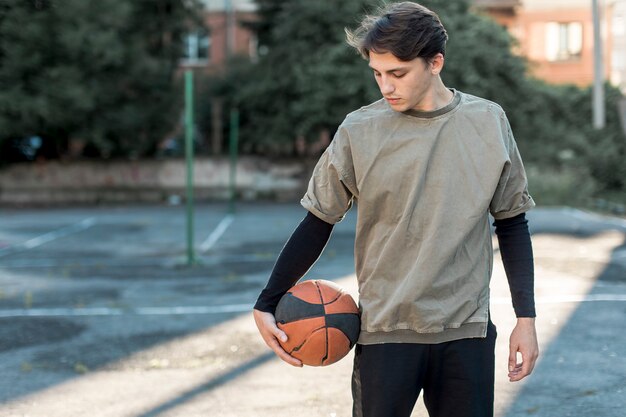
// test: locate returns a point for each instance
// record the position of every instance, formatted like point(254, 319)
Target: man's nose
point(386, 87)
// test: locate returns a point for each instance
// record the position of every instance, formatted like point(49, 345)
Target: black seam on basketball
point(325, 323)
point(339, 294)
point(317, 286)
point(306, 339)
point(326, 340)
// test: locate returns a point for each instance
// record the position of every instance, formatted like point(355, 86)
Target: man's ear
point(436, 63)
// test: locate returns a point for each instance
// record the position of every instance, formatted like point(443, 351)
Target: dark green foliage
point(99, 71)
point(310, 79)
point(605, 150)
point(103, 72)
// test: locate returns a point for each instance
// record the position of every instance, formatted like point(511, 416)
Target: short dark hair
point(407, 30)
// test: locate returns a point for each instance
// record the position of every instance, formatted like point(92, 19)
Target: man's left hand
point(523, 340)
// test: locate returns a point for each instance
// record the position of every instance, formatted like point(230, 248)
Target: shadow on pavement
point(46, 351)
point(582, 372)
point(211, 384)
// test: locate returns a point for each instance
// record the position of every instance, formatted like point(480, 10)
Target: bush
point(571, 186)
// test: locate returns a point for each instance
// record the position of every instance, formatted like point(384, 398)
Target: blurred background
point(92, 95)
point(115, 112)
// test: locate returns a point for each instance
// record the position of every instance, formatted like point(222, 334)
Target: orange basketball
point(321, 321)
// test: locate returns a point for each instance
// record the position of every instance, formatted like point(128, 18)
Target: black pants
point(457, 378)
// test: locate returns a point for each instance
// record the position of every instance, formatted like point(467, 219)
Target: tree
point(102, 72)
point(308, 80)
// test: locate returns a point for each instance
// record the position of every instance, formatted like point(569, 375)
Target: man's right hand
point(266, 322)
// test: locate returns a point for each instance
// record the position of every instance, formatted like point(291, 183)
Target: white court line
point(139, 311)
point(50, 236)
point(217, 233)
point(572, 298)
point(240, 308)
point(122, 263)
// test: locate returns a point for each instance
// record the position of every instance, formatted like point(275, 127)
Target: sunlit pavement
point(99, 318)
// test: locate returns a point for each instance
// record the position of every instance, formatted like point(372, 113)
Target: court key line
point(240, 308)
point(50, 236)
point(217, 233)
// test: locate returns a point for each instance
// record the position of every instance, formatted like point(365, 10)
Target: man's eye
point(399, 75)
point(376, 74)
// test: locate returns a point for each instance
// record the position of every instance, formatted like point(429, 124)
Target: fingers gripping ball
point(321, 321)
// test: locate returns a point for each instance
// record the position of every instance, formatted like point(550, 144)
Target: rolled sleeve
point(332, 188)
point(511, 197)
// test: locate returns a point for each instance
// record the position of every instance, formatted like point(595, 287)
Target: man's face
point(404, 84)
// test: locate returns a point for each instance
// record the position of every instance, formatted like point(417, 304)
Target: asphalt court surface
point(81, 289)
point(95, 298)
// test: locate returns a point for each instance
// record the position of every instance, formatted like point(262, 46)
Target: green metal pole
point(233, 141)
point(189, 161)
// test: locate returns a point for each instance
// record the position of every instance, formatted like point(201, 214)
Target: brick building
point(557, 37)
point(223, 34)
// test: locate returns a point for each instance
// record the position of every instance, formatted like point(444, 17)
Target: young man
point(427, 164)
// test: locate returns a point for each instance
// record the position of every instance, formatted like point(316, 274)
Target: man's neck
point(440, 96)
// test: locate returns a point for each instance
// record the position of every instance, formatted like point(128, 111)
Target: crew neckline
point(456, 99)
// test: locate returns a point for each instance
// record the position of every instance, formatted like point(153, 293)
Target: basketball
point(321, 322)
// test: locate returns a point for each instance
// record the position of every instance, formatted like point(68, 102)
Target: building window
point(197, 47)
point(619, 25)
point(564, 41)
